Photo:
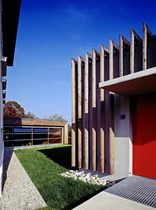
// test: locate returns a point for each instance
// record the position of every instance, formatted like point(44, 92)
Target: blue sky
point(51, 32)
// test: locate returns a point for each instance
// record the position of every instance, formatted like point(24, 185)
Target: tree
point(56, 117)
point(30, 115)
point(13, 109)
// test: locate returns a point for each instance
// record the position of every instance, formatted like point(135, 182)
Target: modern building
point(9, 16)
point(28, 132)
point(114, 108)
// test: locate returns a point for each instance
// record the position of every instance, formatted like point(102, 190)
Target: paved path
point(107, 201)
point(19, 193)
point(133, 193)
point(136, 188)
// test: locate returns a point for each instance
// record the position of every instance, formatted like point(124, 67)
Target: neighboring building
point(9, 15)
point(114, 108)
point(27, 132)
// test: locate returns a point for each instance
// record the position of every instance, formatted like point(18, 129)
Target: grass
point(44, 166)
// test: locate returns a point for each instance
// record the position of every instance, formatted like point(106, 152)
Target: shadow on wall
point(7, 157)
point(97, 120)
point(62, 155)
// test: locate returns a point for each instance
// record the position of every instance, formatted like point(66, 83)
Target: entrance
point(144, 136)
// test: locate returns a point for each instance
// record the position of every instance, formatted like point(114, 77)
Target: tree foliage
point(30, 115)
point(13, 109)
point(56, 117)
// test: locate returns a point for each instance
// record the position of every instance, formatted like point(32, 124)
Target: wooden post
point(86, 109)
point(83, 110)
point(98, 112)
point(144, 47)
point(74, 106)
point(79, 112)
point(90, 116)
point(124, 64)
point(114, 60)
point(121, 56)
point(32, 136)
point(132, 52)
point(65, 139)
point(113, 73)
point(147, 33)
point(101, 112)
point(136, 58)
point(111, 59)
point(111, 134)
point(93, 120)
point(48, 135)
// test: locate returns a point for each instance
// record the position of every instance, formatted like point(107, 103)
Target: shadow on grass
point(82, 200)
point(61, 155)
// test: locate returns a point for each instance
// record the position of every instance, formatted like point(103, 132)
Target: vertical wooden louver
point(93, 108)
point(124, 64)
point(74, 112)
point(88, 60)
point(93, 114)
point(80, 110)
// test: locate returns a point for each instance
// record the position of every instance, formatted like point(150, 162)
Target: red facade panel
point(144, 136)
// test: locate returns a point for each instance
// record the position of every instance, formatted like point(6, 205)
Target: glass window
point(40, 130)
point(41, 141)
point(7, 130)
point(7, 137)
point(22, 130)
point(21, 136)
point(55, 135)
point(22, 143)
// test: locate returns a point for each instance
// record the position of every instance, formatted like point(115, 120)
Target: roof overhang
point(32, 122)
point(10, 17)
point(132, 84)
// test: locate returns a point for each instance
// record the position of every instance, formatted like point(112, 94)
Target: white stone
point(86, 177)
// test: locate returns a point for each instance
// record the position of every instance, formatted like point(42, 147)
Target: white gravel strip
point(87, 177)
point(19, 192)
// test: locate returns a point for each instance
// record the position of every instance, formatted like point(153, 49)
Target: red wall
point(144, 136)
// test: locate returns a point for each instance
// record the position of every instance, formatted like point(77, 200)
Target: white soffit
point(137, 83)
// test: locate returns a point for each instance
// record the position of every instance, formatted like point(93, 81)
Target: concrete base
point(108, 201)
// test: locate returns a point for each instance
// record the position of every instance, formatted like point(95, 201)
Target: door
point(144, 136)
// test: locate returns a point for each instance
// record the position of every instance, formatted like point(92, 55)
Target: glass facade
point(22, 130)
point(26, 136)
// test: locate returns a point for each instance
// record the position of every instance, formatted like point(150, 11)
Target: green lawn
point(44, 166)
